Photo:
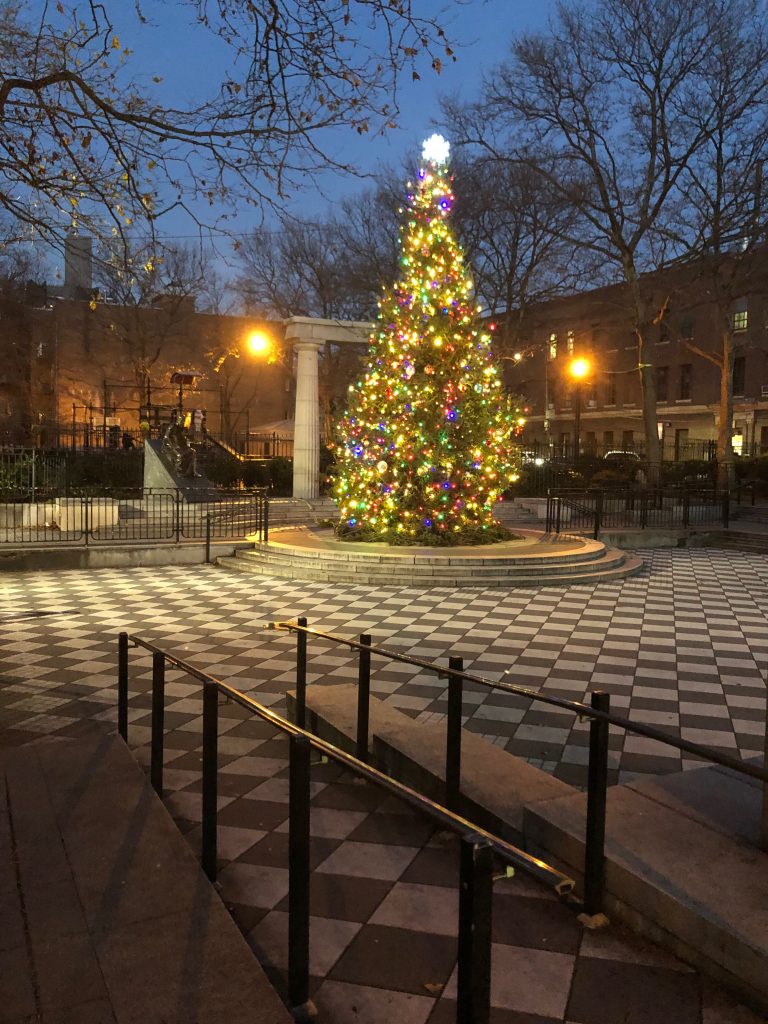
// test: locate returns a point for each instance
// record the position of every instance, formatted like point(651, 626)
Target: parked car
point(622, 458)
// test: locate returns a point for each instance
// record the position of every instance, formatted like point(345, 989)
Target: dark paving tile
point(272, 851)
point(350, 797)
point(606, 991)
point(537, 924)
point(396, 959)
point(264, 815)
point(398, 829)
point(245, 916)
point(445, 1013)
point(345, 898)
point(229, 784)
point(434, 866)
point(253, 729)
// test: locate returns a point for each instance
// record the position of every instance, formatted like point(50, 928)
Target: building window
point(739, 375)
point(686, 376)
point(662, 383)
point(739, 315)
point(627, 440)
point(608, 439)
point(664, 333)
point(686, 325)
point(569, 342)
point(590, 441)
point(553, 345)
point(610, 389)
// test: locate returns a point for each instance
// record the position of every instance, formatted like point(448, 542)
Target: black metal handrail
point(635, 507)
point(598, 713)
point(478, 845)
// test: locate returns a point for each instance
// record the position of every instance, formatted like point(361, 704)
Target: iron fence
point(634, 508)
point(170, 516)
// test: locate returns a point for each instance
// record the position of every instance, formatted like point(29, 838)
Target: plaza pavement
point(682, 645)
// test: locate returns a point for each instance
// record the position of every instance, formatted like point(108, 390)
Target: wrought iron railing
point(167, 516)
point(594, 510)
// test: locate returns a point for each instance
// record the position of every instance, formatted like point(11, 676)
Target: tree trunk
point(725, 468)
point(647, 376)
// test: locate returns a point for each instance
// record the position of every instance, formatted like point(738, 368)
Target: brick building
point(67, 361)
point(597, 324)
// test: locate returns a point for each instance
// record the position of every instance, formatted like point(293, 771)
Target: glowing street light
point(258, 343)
point(578, 369)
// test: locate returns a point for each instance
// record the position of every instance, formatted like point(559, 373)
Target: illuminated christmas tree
point(424, 449)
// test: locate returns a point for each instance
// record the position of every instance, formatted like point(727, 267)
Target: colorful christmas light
point(424, 446)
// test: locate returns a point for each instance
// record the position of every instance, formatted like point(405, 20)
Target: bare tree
point(517, 235)
point(86, 140)
point(609, 110)
point(145, 299)
point(721, 230)
point(333, 269)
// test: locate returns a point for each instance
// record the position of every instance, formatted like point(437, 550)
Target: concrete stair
point(682, 862)
point(543, 564)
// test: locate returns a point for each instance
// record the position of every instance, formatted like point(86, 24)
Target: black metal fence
point(167, 516)
point(634, 508)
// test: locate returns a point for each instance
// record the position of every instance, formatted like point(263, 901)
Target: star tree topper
point(436, 150)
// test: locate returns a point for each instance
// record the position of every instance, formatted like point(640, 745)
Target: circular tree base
point(533, 559)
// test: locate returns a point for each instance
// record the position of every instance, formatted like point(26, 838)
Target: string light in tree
point(424, 445)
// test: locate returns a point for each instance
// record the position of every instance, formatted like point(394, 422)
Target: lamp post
point(578, 370)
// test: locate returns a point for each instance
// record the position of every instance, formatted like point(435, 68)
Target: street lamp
point(258, 343)
point(578, 369)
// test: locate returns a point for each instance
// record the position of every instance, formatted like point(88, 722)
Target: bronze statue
point(178, 450)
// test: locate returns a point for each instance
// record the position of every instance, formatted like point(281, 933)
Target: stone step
point(496, 786)
point(546, 553)
point(630, 566)
point(609, 559)
point(687, 882)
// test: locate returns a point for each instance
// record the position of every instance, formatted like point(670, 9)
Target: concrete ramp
point(107, 916)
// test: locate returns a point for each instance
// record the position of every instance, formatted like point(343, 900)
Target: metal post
point(643, 509)
point(597, 785)
point(265, 530)
point(207, 537)
point(298, 875)
point(686, 509)
point(178, 515)
point(558, 510)
point(74, 425)
point(453, 734)
point(475, 915)
point(363, 697)
point(158, 722)
point(122, 685)
point(86, 518)
point(301, 674)
point(598, 513)
point(726, 509)
point(210, 778)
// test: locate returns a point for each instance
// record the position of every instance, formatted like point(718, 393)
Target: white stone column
point(306, 437)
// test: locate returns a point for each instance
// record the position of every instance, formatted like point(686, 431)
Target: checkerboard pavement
point(384, 896)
